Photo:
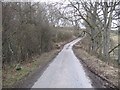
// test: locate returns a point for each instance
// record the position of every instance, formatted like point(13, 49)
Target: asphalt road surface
point(64, 72)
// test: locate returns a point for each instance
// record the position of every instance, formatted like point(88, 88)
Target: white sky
point(32, 0)
point(49, 0)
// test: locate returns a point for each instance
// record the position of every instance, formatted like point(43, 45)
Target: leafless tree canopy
point(99, 18)
point(27, 26)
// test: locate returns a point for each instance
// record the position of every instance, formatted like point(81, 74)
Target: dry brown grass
point(96, 65)
point(11, 75)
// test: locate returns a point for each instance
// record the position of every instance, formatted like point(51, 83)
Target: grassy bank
point(11, 75)
point(97, 66)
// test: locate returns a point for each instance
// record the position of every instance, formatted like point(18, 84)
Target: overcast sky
point(50, 1)
point(32, 0)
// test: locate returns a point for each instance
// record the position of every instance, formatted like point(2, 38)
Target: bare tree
point(98, 19)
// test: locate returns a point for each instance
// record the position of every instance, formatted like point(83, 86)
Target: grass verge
point(11, 75)
point(97, 66)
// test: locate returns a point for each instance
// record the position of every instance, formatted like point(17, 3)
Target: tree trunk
point(105, 34)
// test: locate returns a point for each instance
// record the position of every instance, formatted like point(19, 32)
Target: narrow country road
point(64, 72)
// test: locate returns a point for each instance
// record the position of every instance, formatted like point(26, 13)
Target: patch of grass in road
point(11, 75)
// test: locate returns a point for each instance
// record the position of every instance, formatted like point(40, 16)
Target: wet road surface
point(64, 72)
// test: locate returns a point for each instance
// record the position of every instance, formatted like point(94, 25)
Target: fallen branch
point(114, 48)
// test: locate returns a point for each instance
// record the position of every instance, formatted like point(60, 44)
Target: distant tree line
point(27, 30)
